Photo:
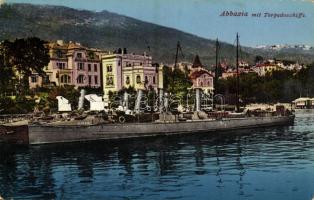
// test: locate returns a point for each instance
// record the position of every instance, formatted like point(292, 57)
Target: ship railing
point(10, 118)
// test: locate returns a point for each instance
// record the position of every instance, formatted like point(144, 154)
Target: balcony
point(77, 59)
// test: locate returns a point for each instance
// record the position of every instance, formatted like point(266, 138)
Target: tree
point(258, 59)
point(6, 71)
point(26, 56)
point(176, 81)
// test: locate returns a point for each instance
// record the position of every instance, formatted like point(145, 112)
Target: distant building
point(228, 73)
point(124, 70)
point(201, 77)
point(183, 66)
point(70, 64)
point(267, 67)
point(276, 65)
point(244, 68)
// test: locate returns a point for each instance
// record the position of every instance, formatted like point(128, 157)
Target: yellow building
point(123, 70)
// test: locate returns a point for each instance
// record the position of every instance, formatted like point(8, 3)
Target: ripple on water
point(266, 163)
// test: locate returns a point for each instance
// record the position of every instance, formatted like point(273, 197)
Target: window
point(34, 79)
point(46, 79)
point(127, 80)
point(154, 80)
point(80, 66)
point(109, 80)
point(59, 53)
point(141, 64)
point(96, 80)
point(80, 79)
point(95, 67)
point(89, 67)
point(91, 55)
point(119, 63)
point(89, 80)
point(138, 79)
point(65, 79)
point(146, 79)
point(60, 65)
point(79, 55)
point(109, 68)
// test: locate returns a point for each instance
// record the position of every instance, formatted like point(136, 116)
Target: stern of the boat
point(14, 134)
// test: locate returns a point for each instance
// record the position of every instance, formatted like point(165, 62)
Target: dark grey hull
point(44, 134)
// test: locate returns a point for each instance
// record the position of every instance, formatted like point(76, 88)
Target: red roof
point(197, 74)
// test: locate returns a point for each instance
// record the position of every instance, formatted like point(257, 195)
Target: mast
point(238, 80)
point(216, 67)
point(175, 62)
point(176, 59)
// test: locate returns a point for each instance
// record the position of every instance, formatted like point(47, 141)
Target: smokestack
point(138, 101)
point(81, 99)
point(198, 99)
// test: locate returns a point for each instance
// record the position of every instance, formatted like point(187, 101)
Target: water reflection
point(272, 163)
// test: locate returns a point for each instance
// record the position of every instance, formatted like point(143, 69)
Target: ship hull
point(46, 134)
point(39, 134)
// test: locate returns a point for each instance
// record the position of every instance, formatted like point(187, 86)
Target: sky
point(202, 17)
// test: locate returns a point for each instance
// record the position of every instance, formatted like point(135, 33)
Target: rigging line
point(241, 52)
point(234, 42)
point(234, 45)
point(147, 45)
point(180, 49)
point(219, 52)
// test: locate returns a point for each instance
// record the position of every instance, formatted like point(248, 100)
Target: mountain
point(110, 31)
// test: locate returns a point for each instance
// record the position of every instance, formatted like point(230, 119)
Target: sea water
point(265, 163)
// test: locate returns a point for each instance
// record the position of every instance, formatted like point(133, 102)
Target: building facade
point(204, 80)
point(201, 77)
point(123, 70)
point(71, 64)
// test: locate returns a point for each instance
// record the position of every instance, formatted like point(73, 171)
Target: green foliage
point(6, 70)
point(19, 59)
point(68, 92)
point(278, 86)
point(28, 55)
point(24, 105)
point(92, 90)
point(130, 90)
point(258, 59)
point(19, 105)
point(176, 81)
point(7, 105)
